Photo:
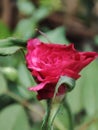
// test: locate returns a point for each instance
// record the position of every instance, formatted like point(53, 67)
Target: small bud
point(9, 72)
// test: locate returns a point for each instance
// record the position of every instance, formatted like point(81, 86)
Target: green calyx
point(69, 82)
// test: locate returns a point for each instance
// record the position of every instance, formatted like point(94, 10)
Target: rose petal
point(33, 43)
point(47, 62)
point(38, 87)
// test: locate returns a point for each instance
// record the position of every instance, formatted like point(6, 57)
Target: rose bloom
point(48, 62)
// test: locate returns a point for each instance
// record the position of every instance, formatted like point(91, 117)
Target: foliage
point(19, 108)
point(51, 4)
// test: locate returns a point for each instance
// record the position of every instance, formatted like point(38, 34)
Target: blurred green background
point(64, 22)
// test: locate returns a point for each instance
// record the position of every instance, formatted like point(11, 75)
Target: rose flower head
point(47, 62)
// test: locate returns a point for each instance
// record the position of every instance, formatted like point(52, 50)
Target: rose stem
point(45, 124)
point(66, 106)
point(43, 34)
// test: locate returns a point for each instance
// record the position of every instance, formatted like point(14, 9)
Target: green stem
point(66, 106)
point(45, 124)
point(55, 112)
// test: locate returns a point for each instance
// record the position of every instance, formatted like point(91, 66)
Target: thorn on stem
point(43, 34)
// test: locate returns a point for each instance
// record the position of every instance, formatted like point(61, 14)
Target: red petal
point(38, 87)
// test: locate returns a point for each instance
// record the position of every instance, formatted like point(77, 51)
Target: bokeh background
point(64, 22)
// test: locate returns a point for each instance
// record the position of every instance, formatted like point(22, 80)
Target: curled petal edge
point(38, 87)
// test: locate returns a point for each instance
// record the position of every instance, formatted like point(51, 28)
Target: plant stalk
point(67, 107)
point(45, 124)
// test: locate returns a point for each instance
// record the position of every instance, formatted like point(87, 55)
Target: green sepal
point(69, 82)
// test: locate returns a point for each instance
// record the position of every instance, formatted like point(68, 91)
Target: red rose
point(48, 62)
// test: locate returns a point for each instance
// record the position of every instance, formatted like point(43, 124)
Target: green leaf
point(14, 118)
point(53, 4)
point(25, 29)
point(9, 72)
point(11, 41)
point(56, 36)
point(26, 7)
point(74, 98)
point(26, 81)
point(4, 31)
point(41, 13)
point(24, 93)
point(85, 94)
point(4, 51)
point(25, 77)
point(5, 42)
point(3, 84)
point(90, 89)
point(69, 83)
point(96, 39)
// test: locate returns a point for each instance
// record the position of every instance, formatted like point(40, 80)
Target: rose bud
point(48, 62)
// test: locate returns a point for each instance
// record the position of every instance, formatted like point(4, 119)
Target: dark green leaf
point(11, 41)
